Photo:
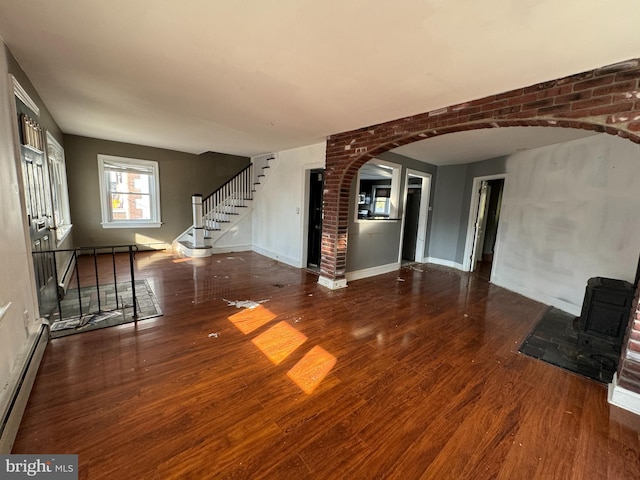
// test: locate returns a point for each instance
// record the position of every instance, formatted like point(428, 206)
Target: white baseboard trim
point(19, 390)
point(444, 263)
point(332, 284)
point(623, 398)
point(570, 308)
point(372, 271)
point(294, 262)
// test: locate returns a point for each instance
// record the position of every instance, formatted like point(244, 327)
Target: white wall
point(237, 238)
point(279, 215)
point(20, 322)
point(570, 212)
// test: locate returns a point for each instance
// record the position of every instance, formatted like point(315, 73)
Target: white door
point(481, 223)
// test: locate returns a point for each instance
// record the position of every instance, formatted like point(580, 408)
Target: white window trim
point(62, 230)
point(394, 197)
point(107, 222)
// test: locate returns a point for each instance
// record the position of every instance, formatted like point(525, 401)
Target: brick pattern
point(629, 364)
point(606, 100)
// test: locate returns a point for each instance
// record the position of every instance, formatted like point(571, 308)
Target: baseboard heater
point(67, 276)
point(17, 400)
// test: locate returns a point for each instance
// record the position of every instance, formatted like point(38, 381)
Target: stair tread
point(190, 245)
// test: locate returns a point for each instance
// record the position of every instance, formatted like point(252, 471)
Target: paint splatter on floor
point(250, 304)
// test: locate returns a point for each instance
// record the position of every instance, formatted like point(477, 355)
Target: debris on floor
point(250, 304)
point(214, 335)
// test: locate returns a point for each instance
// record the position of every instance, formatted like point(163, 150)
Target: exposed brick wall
point(629, 365)
point(605, 100)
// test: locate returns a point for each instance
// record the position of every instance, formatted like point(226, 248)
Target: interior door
point(481, 223)
point(39, 207)
point(314, 234)
point(412, 216)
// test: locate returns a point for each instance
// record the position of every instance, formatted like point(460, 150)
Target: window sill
point(62, 232)
point(132, 225)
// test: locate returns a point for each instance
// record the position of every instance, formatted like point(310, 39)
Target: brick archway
point(604, 100)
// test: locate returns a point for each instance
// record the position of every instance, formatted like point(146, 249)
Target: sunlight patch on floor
point(251, 319)
point(279, 341)
point(312, 369)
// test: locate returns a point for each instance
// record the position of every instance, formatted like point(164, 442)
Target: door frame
point(473, 215)
point(304, 224)
point(423, 215)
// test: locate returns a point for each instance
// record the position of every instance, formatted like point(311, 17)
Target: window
point(378, 185)
point(129, 192)
point(381, 200)
point(59, 191)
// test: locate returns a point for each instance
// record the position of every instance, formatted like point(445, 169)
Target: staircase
point(215, 215)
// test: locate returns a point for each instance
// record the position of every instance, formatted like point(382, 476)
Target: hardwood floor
point(413, 374)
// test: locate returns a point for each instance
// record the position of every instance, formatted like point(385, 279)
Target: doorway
point(314, 229)
point(414, 228)
point(484, 221)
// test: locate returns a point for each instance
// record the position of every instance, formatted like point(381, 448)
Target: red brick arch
point(605, 100)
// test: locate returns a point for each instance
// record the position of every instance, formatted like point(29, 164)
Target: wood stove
point(605, 313)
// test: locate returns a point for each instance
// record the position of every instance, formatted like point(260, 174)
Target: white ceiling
point(473, 145)
point(256, 76)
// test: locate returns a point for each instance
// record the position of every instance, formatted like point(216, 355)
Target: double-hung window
point(59, 191)
point(129, 192)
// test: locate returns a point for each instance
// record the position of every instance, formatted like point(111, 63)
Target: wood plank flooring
point(410, 375)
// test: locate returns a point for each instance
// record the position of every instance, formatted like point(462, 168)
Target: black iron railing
point(78, 273)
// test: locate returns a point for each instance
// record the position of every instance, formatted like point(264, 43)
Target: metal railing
point(91, 279)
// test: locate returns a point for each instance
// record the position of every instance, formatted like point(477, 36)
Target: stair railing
point(219, 207)
point(227, 200)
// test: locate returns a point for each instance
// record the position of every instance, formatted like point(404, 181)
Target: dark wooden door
point(314, 237)
point(412, 216)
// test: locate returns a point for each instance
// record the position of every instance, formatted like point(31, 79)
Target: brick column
point(624, 391)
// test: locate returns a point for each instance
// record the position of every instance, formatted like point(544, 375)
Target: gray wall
point(19, 325)
point(447, 212)
point(45, 119)
point(181, 175)
point(451, 207)
point(49, 124)
point(374, 243)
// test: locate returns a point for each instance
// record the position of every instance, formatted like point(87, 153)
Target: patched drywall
point(569, 213)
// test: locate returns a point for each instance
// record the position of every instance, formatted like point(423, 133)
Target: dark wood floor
point(409, 375)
